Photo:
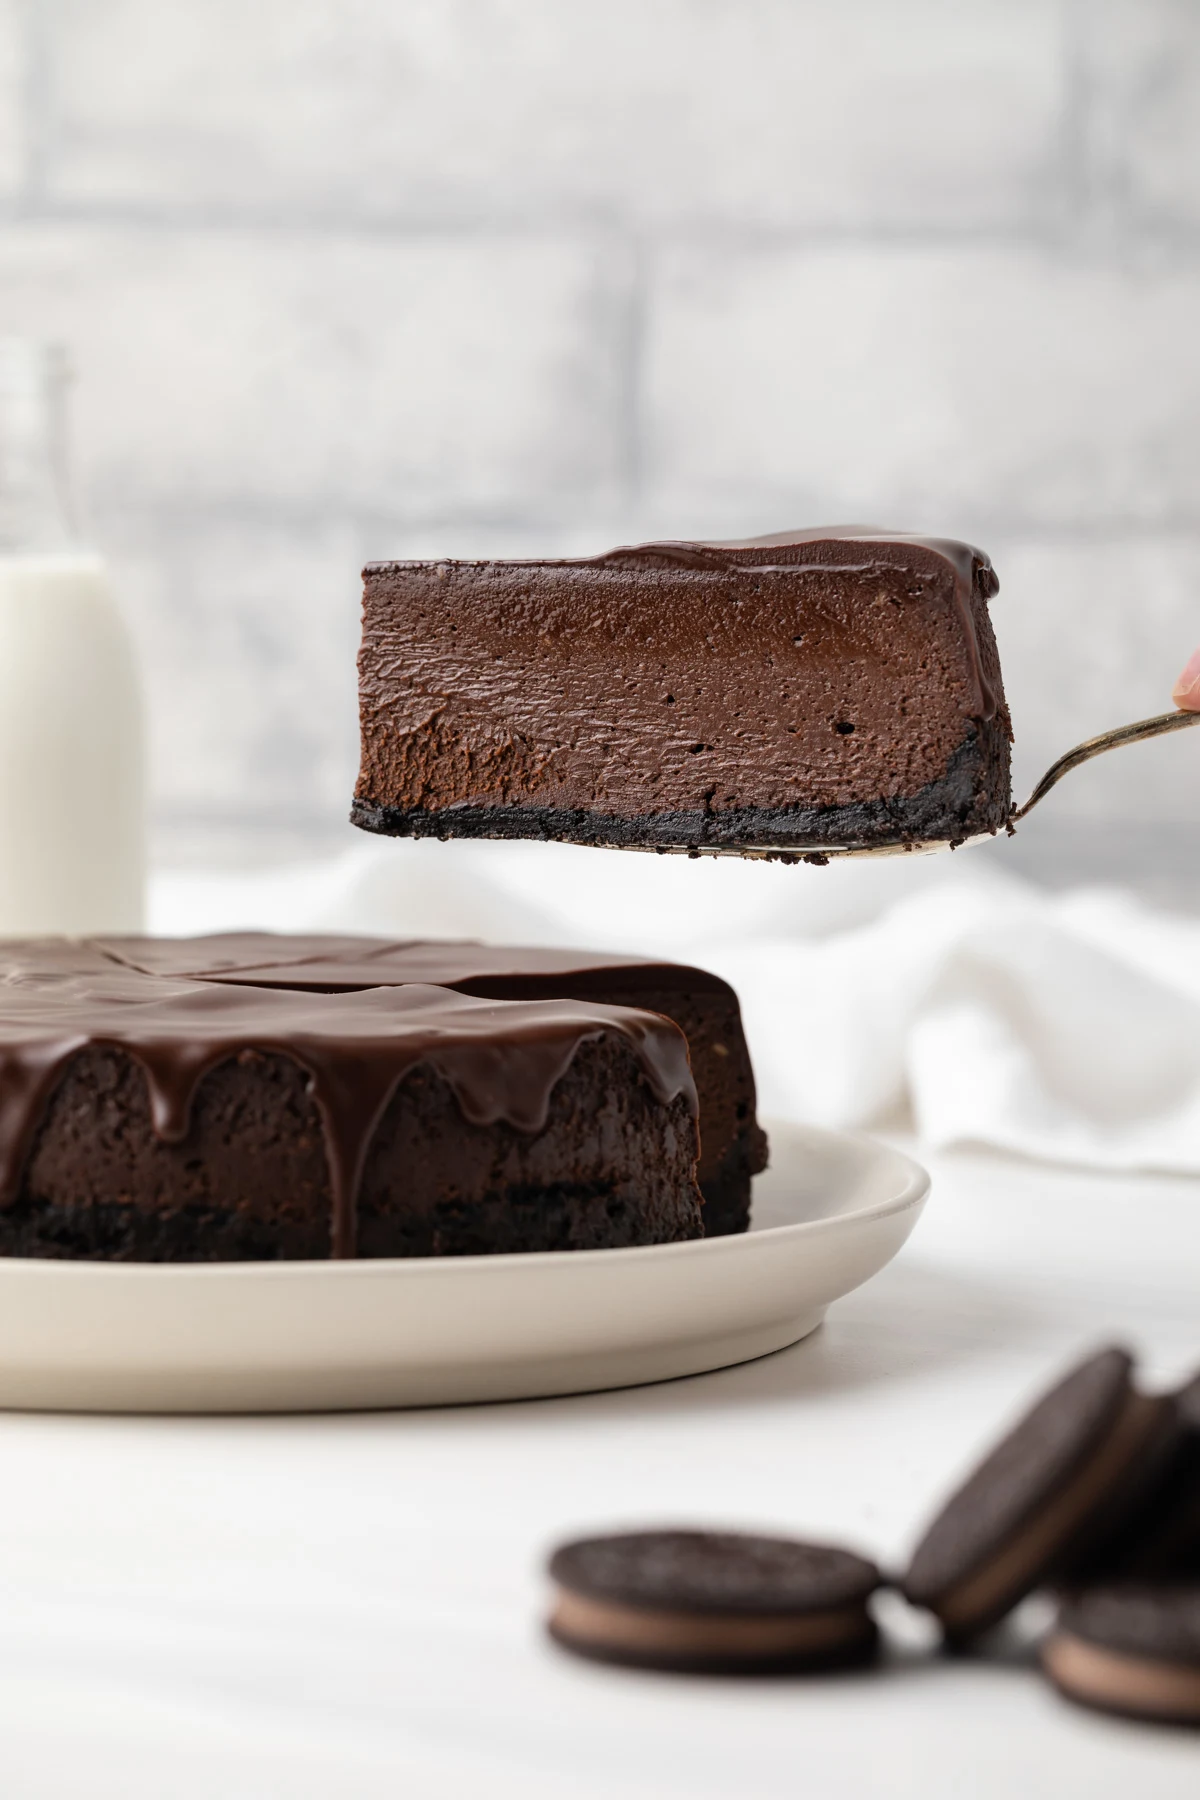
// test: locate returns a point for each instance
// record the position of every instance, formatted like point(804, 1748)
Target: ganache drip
point(501, 1059)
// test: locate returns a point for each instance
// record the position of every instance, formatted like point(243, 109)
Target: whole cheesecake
point(733, 1147)
point(789, 695)
point(149, 1118)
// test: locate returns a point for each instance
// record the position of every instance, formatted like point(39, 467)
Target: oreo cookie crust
point(1130, 1650)
point(713, 1602)
point(1075, 1466)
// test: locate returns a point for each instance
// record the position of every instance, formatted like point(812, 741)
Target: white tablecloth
point(349, 1605)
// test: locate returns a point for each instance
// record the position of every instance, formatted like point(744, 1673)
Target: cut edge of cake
point(967, 796)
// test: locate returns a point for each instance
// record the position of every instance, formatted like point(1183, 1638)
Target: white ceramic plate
point(276, 1337)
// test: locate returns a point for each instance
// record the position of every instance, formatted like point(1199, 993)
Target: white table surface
point(349, 1606)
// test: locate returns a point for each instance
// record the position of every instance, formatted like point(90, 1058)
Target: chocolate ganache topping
point(500, 1058)
point(325, 961)
point(972, 569)
point(732, 1147)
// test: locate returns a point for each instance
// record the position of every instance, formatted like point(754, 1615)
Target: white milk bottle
point(72, 809)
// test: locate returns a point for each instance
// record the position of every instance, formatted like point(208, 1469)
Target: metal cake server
point(1108, 740)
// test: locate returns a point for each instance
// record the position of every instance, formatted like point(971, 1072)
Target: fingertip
point(1187, 688)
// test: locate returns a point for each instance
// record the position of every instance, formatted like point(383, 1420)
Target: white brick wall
point(1085, 630)
point(1142, 65)
point(350, 278)
point(418, 376)
point(949, 383)
point(268, 617)
point(742, 112)
point(11, 122)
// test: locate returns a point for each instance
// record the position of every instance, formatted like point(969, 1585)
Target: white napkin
point(1067, 1029)
point(1061, 1027)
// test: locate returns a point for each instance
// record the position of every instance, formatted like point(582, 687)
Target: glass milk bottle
point(72, 810)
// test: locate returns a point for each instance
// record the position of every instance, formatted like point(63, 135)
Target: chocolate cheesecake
point(788, 695)
point(149, 1118)
point(733, 1147)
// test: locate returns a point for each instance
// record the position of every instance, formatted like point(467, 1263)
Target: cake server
point(1107, 740)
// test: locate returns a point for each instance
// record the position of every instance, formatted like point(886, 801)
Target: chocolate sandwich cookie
point(1160, 1539)
point(1073, 1468)
point(713, 1602)
point(1131, 1650)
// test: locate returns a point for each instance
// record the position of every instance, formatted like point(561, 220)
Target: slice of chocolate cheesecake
point(733, 1147)
point(814, 691)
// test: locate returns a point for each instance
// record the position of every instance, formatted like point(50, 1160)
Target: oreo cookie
point(1073, 1470)
point(1130, 1650)
point(713, 1602)
point(1160, 1539)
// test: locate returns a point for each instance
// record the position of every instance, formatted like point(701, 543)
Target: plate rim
point(913, 1192)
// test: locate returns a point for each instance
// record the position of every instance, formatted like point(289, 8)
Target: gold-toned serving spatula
point(1108, 740)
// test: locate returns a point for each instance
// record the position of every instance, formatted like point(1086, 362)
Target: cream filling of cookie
point(983, 1596)
point(1113, 1678)
point(606, 1625)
